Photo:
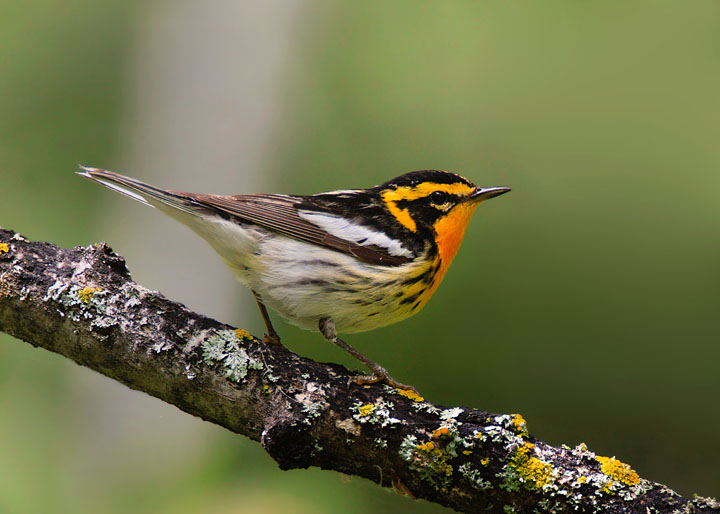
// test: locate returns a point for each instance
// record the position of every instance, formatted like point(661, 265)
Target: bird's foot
point(383, 377)
point(272, 339)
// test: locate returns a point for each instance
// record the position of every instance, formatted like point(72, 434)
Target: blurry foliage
point(587, 299)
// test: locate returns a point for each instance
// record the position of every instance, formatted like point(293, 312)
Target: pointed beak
point(483, 193)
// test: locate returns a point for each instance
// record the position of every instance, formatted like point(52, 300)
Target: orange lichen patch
point(435, 458)
point(242, 334)
point(535, 472)
point(86, 293)
point(618, 470)
point(441, 432)
point(366, 410)
point(407, 393)
point(4, 248)
point(520, 424)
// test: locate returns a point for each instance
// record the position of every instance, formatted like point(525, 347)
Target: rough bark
point(82, 303)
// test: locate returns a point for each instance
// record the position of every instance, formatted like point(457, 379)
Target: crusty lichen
point(409, 393)
point(441, 433)
point(618, 470)
point(531, 471)
point(366, 410)
point(520, 425)
point(429, 460)
point(86, 293)
point(378, 413)
point(242, 334)
point(82, 303)
point(4, 248)
point(222, 347)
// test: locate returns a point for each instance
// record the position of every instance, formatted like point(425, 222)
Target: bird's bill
point(483, 193)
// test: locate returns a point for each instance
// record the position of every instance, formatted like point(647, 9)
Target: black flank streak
point(410, 299)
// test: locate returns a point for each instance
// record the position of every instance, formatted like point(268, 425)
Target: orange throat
point(449, 230)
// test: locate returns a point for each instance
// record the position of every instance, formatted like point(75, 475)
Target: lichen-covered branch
point(81, 303)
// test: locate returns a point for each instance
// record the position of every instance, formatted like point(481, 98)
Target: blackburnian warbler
point(341, 261)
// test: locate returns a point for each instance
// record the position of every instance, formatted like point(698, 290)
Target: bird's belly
point(305, 283)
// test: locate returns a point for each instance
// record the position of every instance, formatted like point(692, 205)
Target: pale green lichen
point(453, 413)
point(474, 476)
point(82, 303)
point(702, 502)
point(222, 348)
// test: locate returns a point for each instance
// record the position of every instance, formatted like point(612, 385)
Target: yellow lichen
point(242, 334)
point(409, 393)
point(582, 480)
point(4, 248)
point(618, 470)
point(485, 461)
point(86, 293)
point(520, 424)
point(534, 471)
point(426, 447)
point(467, 452)
point(366, 410)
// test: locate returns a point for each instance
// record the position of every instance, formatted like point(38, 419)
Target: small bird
point(342, 261)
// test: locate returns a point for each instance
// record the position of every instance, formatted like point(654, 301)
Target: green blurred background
point(587, 299)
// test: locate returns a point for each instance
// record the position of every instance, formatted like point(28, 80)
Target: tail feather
point(142, 192)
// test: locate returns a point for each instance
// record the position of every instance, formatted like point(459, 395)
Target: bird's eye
point(439, 197)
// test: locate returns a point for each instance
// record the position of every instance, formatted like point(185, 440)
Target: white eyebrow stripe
point(358, 234)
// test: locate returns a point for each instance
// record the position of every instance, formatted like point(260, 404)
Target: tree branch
point(81, 303)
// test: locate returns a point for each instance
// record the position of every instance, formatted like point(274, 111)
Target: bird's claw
point(374, 379)
point(272, 339)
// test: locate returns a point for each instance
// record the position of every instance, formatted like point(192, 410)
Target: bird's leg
point(327, 329)
point(271, 337)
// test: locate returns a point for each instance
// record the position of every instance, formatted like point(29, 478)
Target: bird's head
point(437, 200)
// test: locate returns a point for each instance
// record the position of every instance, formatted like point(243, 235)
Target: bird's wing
point(285, 215)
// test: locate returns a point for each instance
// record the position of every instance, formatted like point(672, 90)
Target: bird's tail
point(144, 193)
